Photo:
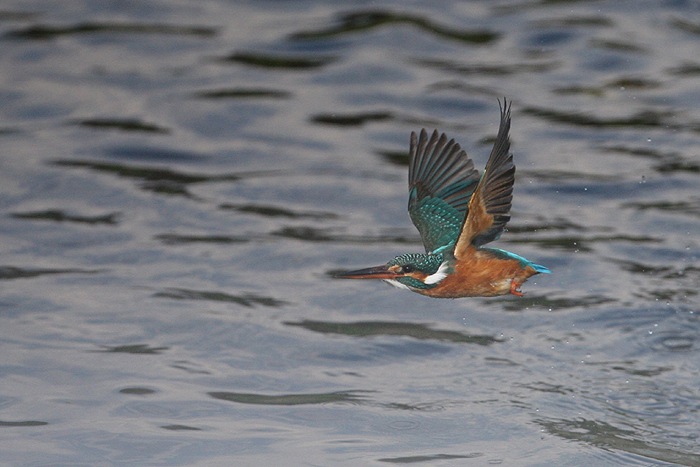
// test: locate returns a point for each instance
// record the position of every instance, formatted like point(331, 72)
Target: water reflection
point(15, 272)
point(607, 436)
point(247, 299)
point(161, 180)
point(127, 124)
point(428, 458)
point(138, 349)
point(291, 399)
point(46, 32)
point(57, 215)
point(387, 328)
point(362, 21)
point(266, 60)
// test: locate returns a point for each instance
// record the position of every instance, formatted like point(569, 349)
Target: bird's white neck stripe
point(438, 275)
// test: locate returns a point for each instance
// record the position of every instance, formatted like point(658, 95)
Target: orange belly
point(481, 275)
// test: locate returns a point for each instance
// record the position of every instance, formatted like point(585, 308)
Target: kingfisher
point(457, 212)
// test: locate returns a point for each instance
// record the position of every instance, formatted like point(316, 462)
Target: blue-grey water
point(179, 180)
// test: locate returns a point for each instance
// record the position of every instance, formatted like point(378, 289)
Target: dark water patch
point(663, 272)
point(667, 283)
point(686, 26)
point(534, 301)
point(685, 70)
point(626, 83)
point(278, 61)
point(190, 367)
point(142, 172)
point(46, 32)
point(278, 211)
point(7, 130)
point(631, 368)
point(422, 407)
point(558, 176)
point(351, 119)
point(182, 239)
point(351, 23)
point(640, 152)
point(642, 119)
point(137, 391)
point(678, 164)
point(640, 268)
point(608, 436)
point(313, 234)
point(22, 423)
point(617, 45)
point(399, 158)
point(126, 124)
point(247, 299)
point(672, 293)
point(593, 91)
point(180, 428)
point(144, 153)
point(633, 83)
point(139, 349)
point(392, 328)
point(428, 458)
point(159, 180)
point(679, 341)
point(573, 21)
point(243, 93)
point(568, 243)
point(56, 215)
point(553, 225)
point(291, 399)
point(486, 69)
point(14, 272)
point(541, 386)
point(578, 244)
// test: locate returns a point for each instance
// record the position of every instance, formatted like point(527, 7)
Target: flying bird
point(457, 212)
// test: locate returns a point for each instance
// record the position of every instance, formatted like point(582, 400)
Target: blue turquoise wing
point(441, 180)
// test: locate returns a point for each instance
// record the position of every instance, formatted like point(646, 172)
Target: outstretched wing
point(441, 179)
point(490, 204)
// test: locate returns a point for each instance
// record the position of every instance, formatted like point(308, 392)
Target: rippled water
point(180, 179)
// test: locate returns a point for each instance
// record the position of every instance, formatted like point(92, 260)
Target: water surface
point(179, 180)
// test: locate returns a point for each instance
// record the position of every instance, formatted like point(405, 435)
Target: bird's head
point(412, 271)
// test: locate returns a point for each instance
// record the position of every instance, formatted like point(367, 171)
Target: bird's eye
point(407, 268)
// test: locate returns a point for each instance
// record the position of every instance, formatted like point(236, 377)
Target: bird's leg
point(514, 286)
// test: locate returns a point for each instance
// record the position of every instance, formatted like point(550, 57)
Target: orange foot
point(514, 288)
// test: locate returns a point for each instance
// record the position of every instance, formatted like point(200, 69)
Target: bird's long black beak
point(376, 272)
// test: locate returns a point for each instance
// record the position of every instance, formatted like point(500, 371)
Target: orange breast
point(480, 274)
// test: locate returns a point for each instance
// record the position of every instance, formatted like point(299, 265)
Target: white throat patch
point(438, 275)
point(396, 283)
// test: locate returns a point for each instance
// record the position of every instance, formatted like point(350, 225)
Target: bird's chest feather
point(480, 275)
